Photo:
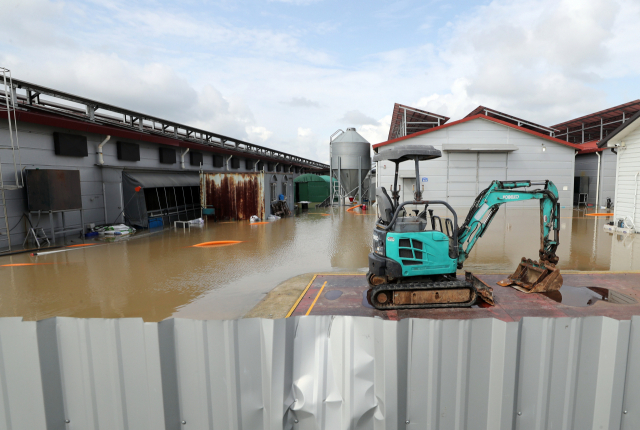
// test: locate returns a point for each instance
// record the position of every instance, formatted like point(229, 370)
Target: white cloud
point(164, 27)
point(542, 60)
point(378, 132)
point(154, 89)
point(455, 104)
point(304, 133)
point(534, 59)
point(301, 102)
point(355, 117)
point(258, 134)
point(307, 144)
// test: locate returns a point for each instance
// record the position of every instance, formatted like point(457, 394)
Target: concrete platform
point(345, 294)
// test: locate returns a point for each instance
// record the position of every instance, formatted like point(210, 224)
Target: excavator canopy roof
point(409, 152)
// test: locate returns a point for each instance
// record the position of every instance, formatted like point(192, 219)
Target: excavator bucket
point(534, 277)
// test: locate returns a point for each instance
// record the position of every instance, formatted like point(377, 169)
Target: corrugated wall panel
point(21, 391)
point(320, 373)
point(457, 370)
point(110, 373)
point(569, 372)
point(631, 398)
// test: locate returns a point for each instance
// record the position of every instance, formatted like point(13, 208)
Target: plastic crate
point(155, 222)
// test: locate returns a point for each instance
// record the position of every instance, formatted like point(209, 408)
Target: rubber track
point(412, 286)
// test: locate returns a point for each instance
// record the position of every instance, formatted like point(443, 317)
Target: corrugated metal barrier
point(320, 373)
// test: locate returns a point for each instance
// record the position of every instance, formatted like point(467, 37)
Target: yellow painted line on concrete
point(340, 274)
point(316, 299)
point(295, 305)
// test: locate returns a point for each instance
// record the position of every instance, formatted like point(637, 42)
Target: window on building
point(274, 192)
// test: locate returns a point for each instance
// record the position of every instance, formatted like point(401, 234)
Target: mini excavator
point(415, 256)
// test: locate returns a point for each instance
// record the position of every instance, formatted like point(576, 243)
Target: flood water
point(161, 275)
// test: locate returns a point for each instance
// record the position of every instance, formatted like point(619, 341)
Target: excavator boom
point(530, 276)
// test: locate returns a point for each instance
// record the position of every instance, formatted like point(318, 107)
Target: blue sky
point(287, 74)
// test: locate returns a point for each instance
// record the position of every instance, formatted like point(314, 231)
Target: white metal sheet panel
point(21, 393)
point(631, 398)
point(463, 178)
point(320, 373)
point(569, 365)
point(491, 167)
point(627, 201)
point(408, 188)
point(108, 373)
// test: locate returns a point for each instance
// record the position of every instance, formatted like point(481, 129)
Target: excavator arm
point(531, 276)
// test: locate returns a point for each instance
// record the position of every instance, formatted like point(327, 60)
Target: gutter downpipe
point(229, 159)
point(182, 158)
point(598, 182)
point(100, 157)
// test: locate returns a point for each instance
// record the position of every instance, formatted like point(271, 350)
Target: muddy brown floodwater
point(160, 275)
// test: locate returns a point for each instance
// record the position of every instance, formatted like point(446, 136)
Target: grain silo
point(350, 163)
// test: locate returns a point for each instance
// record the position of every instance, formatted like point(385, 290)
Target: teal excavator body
point(415, 256)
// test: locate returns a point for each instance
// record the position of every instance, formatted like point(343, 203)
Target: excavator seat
point(384, 204)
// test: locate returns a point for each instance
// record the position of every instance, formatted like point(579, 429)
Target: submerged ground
point(157, 275)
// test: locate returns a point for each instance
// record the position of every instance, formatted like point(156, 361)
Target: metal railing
point(586, 127)
point(401, 129)
point(124, 118)
point(520, 122)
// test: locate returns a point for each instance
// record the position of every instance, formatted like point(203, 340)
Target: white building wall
point(627, 204)
point(529, 161)
point(608, 176)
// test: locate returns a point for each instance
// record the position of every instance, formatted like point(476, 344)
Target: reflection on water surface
point(156, 276)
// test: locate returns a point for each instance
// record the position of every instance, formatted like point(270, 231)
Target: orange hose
point(217, 243)
point(353, 207)
point(24, 264)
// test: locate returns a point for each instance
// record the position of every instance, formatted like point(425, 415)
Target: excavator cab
point(415, 255)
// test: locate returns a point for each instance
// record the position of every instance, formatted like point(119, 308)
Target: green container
point(312, 188)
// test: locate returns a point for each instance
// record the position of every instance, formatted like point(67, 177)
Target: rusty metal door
point(235, 196)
